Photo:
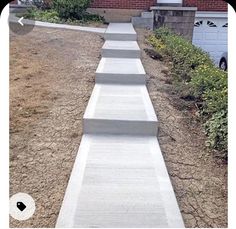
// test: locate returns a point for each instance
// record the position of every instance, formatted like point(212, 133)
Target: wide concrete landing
point(121, 49)
point(119, 182)
point(120, 32)
point(119, 109)
point(120, 71)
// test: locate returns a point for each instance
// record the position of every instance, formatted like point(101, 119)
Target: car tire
point(223, 64)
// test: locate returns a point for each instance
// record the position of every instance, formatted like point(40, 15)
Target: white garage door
point(211, 33)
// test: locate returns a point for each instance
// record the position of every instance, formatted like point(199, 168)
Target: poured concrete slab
point(121, 49)
point(120, 109)
point(120, 32)
point(119, 181)
point(120, 71)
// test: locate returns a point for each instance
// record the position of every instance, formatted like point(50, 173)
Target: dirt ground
point(52, 75)
point(199, 179)
point(51, 79)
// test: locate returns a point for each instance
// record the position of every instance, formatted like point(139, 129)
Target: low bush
point(43, 15)
point(207, 84)
point(73, 9)
point(184, 55)
point(51, 15)
point(40, 4)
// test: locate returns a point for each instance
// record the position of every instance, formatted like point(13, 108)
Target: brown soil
point(51, 79)
point(199, 179)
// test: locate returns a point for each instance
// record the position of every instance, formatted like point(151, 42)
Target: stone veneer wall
point(178, 19)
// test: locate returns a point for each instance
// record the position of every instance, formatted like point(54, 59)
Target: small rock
point(165, 71)
point(153, 54)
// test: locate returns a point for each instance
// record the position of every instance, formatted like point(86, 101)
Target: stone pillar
point(179, 19)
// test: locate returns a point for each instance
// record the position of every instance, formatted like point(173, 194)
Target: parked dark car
point(223, 64)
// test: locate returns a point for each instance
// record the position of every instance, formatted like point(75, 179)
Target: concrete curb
point(100, 31)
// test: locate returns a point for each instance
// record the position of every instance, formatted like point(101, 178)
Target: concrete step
point(140, 22)
point(147, 14)
point(120, 71)
point(120, 109)
point(120, 32)
point(121, 49)
point(145, 21)
point(119, 182)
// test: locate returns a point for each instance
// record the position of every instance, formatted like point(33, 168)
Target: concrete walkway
point(119, 179)
point(15, 19)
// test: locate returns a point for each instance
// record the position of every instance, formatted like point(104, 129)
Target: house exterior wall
point(207, 5)
point(123, 4)
point(203, 5)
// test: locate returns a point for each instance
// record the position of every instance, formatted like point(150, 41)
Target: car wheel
point(223, 64)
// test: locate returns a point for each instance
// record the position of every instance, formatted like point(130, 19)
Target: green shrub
point(53, 16)
point(194, 69)
point(184, 55)
point(43, 15)
point(210, 85)
point(40, 4)
point(217, 132)
point(73, 9)
point(93, 17)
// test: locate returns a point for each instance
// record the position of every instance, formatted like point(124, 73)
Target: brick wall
point(203, 5)
point(207, 5)
point(123, 4)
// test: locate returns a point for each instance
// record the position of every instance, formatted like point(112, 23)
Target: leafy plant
point(40, 4)
point(183, 54)
point(207, 84)
point(43, 15)
point(73, 9)
point(51, 15)
point(217, 132)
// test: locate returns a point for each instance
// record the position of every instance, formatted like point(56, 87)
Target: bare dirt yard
point(51, 79)
point(52, 75)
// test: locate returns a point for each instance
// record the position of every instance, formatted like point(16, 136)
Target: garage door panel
point(213, 48)
point(198, 36)
point(201, 43)
point(210, 34)
point(223, 36)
